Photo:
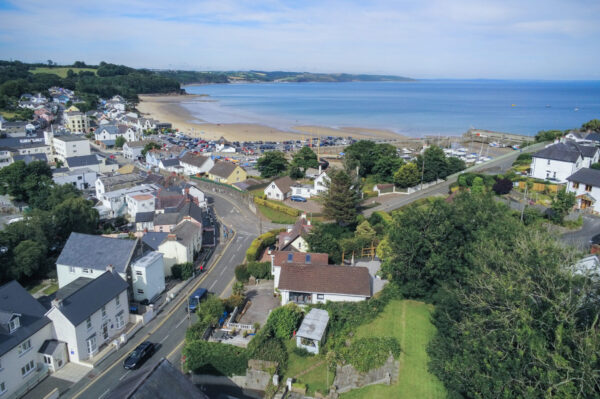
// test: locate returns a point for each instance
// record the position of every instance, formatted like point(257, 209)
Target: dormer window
point(14, 324)
point(290, 257)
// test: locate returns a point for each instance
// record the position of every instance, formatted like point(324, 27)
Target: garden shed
point(312, 330)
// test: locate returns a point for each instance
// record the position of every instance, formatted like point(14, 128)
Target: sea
point(415, 108)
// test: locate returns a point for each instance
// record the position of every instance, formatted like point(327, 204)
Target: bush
point(280, 208)
point(266, 347)
point(260, 270)
point(241, 273)
point(301, 352)
point(502, 186)
point(176, 271)
point(182, 271)
point(214, 358)
point(260, 243)
point(369, 353)
point(525, 157)
point(285, 320)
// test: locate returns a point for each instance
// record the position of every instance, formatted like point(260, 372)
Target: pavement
point(262, 302)
point(168, 328)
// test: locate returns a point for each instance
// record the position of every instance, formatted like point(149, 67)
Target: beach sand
point(168, 108)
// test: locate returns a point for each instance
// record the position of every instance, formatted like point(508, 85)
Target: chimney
point(110, 268)
point(308, 222)
point(57, 303)
point(272, 260)
point(172, 237)
point(319, 169)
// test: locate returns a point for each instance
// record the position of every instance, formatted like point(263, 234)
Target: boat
point(576, 109)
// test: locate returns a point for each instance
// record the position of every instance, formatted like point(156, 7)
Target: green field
point(409, 322)
point(61, 71)
point(276, 216)
point(315, 379)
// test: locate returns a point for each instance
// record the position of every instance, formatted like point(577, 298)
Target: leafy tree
point(435, 165)
point(385, 167)
point(478, 187)
point(594, 125)
point(455, 165)
point(341, 199)
point(75, 215)
point(29, 256)
point(20, 180)
point(304, 159)
point(210, 310)
point(502, 186)
point(150, 146)
point(272, 163)
point(548, 135)
point(595, 166)
point(120, 141)
point(562, 203)
point(285, 320)
point(365, 232)
point(407, 176)
point(326, 237)
point(364, 154)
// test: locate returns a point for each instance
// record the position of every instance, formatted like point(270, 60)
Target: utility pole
point(423, 170)
point(524, 202)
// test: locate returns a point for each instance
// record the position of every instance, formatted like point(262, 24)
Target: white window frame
point(120, 321)
point(118, 300)
point(71, 269)
point(2, 387)
point(320, 297)
point(24, 347)
point(88, 323)
point(14, 324)
point(28, 368)
point(103, 312)
point(92, 344)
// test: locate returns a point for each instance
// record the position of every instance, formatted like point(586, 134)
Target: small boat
point(576, 109)
point(548, 105)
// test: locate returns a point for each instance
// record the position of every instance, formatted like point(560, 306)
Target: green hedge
point(261, 270)
point(280, 208)
point(261, 242)
point(204, 357)
point(369, 353)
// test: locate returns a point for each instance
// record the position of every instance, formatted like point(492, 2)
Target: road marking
point(175, 308)
point(181, 322)
point(124, 375)
point(212, 285)
point(176, 349)
point(164, 339)
point(222, 271)
point(227, 287)
point(104, 394)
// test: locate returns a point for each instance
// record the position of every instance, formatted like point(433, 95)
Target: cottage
point(84, 162)
point(227, 172)
point(285, 258)
point(279, 189)
point(559, 161)
point(181, 245)
point(88, 313)
point(293, 238)
point(24, 329)
point(133, 149)
point(109, 133)
point(311, 333)
point(196, 164)
point(585, 184)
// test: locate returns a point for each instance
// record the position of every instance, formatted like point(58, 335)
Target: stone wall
point(348, 378)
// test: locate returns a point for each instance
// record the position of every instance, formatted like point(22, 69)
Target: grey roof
point(169, 218)
point(97, 252)
point(158, 381)
point(223, 169)
point(314, 324)
point(565, 152)
point(83, 160)
point(194, 160)
point(28, 158)
point(170, 162)
point(71, 137)
point(586, 176)
point(188, 208)
point(113, 129)
point(186, 232)
point(85, 296)
point(48, 347)
point(154, 239)
point(144, 217)
point(14, 299)
point(594, 136)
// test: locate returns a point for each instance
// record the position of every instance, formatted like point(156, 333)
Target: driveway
point(309, 206)
point(581, 238)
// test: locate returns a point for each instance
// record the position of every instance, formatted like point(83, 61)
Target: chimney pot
point(172, 237)
point(57, 303)
point(109, 268)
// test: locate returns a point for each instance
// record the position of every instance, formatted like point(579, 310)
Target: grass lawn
point(62, 71)
point(36, 288)
point(276, 216)
point(316, 379)
point(409, 322)
point(51, 289)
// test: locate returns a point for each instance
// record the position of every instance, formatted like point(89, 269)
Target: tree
point(455, 165)
point(285, 320)
point(304, 159)
point(341, 199)
point(433, 163)
point(407, 176)
point(364, 154)
point(326, 237)
point(272, 163)
point(478, 187)
point(75, 215)
point(385, 167)
point(595, 166)
point(29, 256)
point(20, 181)
point(562, 203)
point(502, 186)
point(150, 146)
point(548, 135)
point(594, 125)
point(120, 141)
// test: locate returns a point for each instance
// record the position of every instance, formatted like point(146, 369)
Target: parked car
point(297, 198)
point(195, 298)
point(139, 355)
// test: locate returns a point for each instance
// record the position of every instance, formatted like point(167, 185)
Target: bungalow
point(170, 165)
point(318, 187)
point(585, 184)
point(560, 160)
point(116, 182)
point(279, 189)
point(88, 313)
point(227, 172)
point(24, 329)
point(279, 259)
point(293, 238)
point(196, 164)
point(84, 162)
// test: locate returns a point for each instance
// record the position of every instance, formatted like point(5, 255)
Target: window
point(290, 257)
point(140, 291)
point(120, 321)
point(91, 344)
point(575, 185)
point(28, 368)
point(86, 270)
point(588, 187)
point(47, 359)
point(138, 273)
point(14, 324)
point(103, 312)
point(25, 347)
point(88, 323)
point(2, 387)
point(320, 296)
point(118, 300)
point(71, 269)
point(307, 261)
point(548, 162)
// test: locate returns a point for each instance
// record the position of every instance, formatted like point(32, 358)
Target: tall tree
point(272, 163)
point(594, 124)
point(455, 165)
point(385, 167)
point(341, 199)
point(407, 176)
point(364, 154)
point(75, 214)
point(120, 142)
point(433, 164)
point(304, 159)
point(29, 256)
point(562, 204)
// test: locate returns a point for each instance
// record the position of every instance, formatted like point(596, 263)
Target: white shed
point(312, 330)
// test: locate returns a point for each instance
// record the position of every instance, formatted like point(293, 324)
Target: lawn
point(36, 288)
point(316, 379)
point(61, 71)
point(409, 322)
point(51, 289)
point(276, 216)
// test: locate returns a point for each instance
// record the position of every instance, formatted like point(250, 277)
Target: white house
point(560, 160)
point(84, 162)
point(24, 329)
point(139, 203)
point(148, 276)
point(293, 239)
point(70, 146)
point(81, 178)
point(178, 246)
point(109, 133)
point(585, 184)
point(133, 149)
point(111, 183)
point(89, 313)
point(114, 203)
point(171, 165)
point(196, 164)
point(302, 190)
point(318, 187)
point(88, 256)
point(279, 189)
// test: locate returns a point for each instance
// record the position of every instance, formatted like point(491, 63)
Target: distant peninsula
point(195, 77)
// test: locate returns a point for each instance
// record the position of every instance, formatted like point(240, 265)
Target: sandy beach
point(169, 109)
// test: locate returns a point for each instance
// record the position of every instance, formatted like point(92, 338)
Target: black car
point(139, 355)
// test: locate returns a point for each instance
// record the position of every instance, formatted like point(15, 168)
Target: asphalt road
point(498, 165)
point(580, 239)
point(168, 329)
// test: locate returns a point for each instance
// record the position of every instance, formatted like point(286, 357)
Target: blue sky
point(529, 39)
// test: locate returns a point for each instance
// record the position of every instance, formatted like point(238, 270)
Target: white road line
point(181, 322)
point(164, 339)
point(212, 285)
point(124, 375)
point(104, 394)
point(222, 271)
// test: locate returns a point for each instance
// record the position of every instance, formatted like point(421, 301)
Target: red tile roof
point(344, 280)
point(298, 258)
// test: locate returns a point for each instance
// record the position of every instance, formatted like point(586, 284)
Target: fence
point(540, 187)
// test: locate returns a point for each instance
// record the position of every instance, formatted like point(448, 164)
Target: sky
point(508, 39)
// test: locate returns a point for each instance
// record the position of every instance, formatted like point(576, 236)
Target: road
point(497, 165)
point(169, 327)
point(580, 239)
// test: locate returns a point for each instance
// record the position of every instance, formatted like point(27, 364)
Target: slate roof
point(15, 299)
point(186, 232)
point(301, 227)
point(593, 136)
point(194, 160)
point(85, 296)
point(188, 208)
point(314, 324)
point(565, 152)
point(113, 129)
point(586, 176)
point(343, 280)
point(97, 252)
point(223, 169)
point(170, 162)
point(158, 381)
point(144, 217)
point(154, 239)
point(28, 158)
point(83, 160)
point(49, 346)
point(71, 137)
point(284, 184)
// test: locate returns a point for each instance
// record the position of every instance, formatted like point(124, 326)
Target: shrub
point(233, 301)
point(241, 273)
point(280, 208)
point(214, 358)
point(260, 270)
point(301, 352)
point(525, 157)
point(260, 243)
point(502, 186)
point(284, 320)
point(369, 353)
point(187, 270)
point(176, 271)
point(266, 347)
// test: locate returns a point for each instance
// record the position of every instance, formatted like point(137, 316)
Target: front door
point(105, 330)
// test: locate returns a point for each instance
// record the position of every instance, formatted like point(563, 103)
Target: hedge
point(204, 357)
point(369, 353)
point(261, 242)
point(261, 270)
point(280, 208)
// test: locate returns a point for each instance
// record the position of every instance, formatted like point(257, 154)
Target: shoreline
point(170, 108)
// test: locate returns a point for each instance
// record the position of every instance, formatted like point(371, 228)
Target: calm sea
point(417, 108)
